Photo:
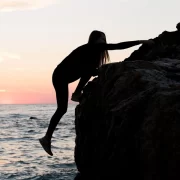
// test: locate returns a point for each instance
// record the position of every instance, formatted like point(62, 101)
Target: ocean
point(21, 155)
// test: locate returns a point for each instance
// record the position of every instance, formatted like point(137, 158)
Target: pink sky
point(36, 35)
point(29, 97)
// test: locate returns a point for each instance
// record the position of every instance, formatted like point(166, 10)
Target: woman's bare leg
point(62, 104)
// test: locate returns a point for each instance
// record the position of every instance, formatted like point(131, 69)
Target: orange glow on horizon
point(32, 97)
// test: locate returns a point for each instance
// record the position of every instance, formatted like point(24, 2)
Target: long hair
point(96, 36)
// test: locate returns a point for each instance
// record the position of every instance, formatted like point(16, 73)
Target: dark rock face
point(128, 120)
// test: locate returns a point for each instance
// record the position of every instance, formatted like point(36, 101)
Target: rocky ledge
point(128, 120)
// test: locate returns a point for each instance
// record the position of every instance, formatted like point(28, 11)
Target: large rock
point(128, 120)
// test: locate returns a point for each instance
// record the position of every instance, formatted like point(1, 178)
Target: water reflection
point(21, 154)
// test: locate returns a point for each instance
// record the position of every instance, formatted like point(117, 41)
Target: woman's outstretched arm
point(123, 45)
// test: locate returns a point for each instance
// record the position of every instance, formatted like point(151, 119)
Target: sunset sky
point(35, 36)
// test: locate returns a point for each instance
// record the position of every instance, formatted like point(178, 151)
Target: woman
point(81, 63)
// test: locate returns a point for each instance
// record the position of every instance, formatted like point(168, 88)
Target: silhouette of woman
point(81, 63)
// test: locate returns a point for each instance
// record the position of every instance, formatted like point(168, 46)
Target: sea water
point(21, 155)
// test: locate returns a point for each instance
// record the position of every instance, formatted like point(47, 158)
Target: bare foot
point(46, 144)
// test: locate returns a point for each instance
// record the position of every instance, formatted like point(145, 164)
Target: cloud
point(16, 5)
point(19, 69)
point(1, 59)
point(11, 56)
point(2, 90)
point(7, 55)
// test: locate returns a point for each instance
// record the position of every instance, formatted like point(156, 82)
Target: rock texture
point(128, 120)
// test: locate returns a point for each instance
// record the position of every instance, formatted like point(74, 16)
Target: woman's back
point(83, 56)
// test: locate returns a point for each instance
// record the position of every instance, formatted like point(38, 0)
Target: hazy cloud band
point(15, 5)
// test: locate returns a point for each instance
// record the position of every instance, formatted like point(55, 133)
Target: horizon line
point(38, 103)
